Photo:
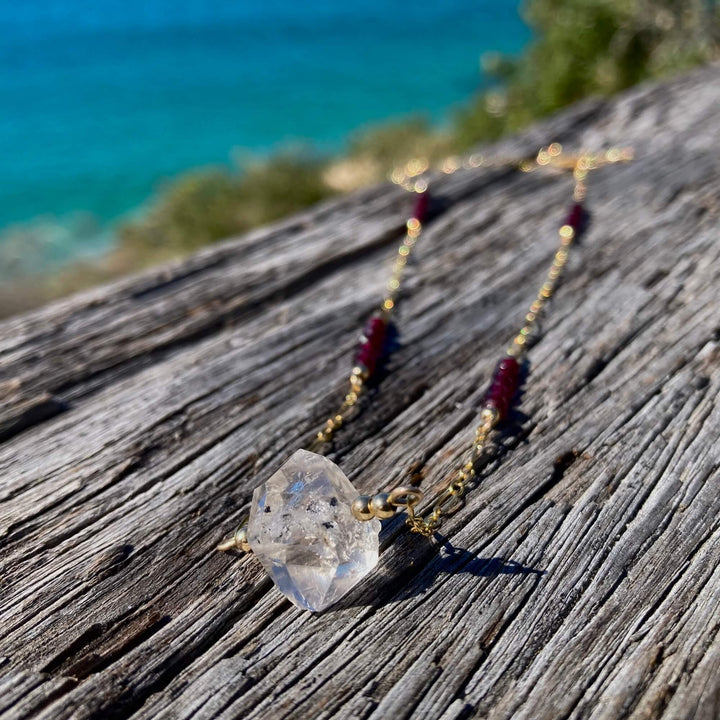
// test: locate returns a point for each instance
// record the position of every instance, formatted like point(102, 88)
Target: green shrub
point(584, 48)
point(207, 205)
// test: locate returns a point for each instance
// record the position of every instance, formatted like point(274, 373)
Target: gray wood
point(582, 578)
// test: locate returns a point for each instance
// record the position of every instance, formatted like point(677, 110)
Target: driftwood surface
point(581, 579)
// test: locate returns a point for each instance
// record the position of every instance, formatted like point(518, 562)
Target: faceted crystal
point(303, 532)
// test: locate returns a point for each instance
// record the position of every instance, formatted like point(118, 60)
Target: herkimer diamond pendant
point(302, 530)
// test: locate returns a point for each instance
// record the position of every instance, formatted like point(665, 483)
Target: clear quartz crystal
point(303, 532)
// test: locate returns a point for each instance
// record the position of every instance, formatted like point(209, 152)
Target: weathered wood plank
point(581, 579)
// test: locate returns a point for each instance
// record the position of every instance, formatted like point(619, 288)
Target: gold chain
point(358, 377)
point(451, 498)
point(411, 176)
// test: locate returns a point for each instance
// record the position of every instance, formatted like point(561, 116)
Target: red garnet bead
point(421, 206)
point(575, 217)
point(373, 344)
point(504, 386)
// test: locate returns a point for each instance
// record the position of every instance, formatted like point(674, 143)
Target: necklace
point(312, 532)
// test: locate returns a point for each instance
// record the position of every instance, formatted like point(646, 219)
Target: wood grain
point(582, 578)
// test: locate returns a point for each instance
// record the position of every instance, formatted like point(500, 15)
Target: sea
point(102, 102)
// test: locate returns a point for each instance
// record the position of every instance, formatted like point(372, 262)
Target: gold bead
point(361, 508)
point(416, 166)
point(490, 416)
point(397, 176)
point(359, 373)
point(381, 507)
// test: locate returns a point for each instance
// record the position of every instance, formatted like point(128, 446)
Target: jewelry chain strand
point(412, 178)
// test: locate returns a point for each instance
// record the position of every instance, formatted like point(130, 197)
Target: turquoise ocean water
point(101, 102)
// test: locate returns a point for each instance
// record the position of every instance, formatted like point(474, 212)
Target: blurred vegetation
point(209, 205)
point(581, 48)
point(589, 47)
